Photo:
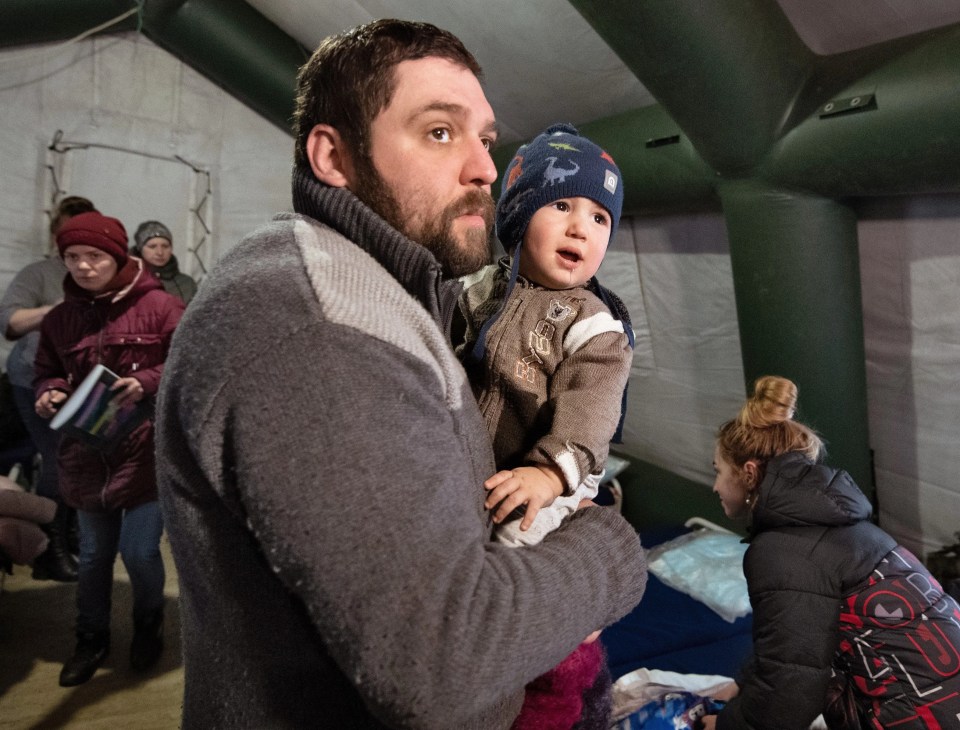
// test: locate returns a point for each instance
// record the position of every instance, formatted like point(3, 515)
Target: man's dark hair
point(350, 78)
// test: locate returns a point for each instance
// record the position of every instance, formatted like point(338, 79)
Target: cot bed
point(688, 636)
point(671, 630)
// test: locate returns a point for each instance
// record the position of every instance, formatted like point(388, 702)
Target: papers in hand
point(91, 415)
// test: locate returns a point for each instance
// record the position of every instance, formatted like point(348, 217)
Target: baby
point(547, 349)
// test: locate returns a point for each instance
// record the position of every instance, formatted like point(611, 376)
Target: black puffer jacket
point(814, 559)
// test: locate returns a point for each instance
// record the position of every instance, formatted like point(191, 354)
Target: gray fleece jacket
point(320, 461)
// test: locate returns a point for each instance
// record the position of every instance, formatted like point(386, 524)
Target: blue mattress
point(671, 631)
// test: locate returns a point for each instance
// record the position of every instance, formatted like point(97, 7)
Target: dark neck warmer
point(169, 270)
point(409, 263)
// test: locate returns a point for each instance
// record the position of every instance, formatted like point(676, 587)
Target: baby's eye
point(561, 205)
point(601, 219)
point(440, 134)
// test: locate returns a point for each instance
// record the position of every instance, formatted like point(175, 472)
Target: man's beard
point(455, 256)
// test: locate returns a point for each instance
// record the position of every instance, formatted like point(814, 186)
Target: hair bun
point(765, 427)
point(773, 401)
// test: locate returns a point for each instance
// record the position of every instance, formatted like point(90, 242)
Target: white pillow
point(708, 566)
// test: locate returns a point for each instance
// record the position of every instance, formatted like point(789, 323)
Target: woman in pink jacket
point(116, 314)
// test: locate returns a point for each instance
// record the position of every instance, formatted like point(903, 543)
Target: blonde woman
point(846, 622)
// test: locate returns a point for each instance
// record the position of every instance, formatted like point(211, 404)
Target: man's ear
point(328, 156)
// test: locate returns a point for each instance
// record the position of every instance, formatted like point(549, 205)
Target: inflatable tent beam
point(753, 101)
point(25, 22)
point(790, 136)
point(225, 40)
point(796, 276)
point(234, 45)
point(735, 60)
point(891, 128)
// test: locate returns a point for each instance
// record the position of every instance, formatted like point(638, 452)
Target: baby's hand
point(532, 486)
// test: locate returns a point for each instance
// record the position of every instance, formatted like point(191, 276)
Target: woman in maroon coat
point(116, 314)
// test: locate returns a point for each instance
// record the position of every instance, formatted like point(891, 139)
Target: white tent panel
point(133, 117)
point(674, 276)
point(134, 179)
point(910, 272)
point(620, 273)
point(533, 78)
point(22, 222)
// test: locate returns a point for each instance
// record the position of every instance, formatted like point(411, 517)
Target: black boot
point(92, 649)
point(57, 562)
point(147, 641)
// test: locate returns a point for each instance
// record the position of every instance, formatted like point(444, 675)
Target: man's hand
point(708, 722)
point(533, 486)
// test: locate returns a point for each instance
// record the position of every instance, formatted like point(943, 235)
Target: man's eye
point(441, 135)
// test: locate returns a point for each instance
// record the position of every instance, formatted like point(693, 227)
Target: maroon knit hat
point(97, 230)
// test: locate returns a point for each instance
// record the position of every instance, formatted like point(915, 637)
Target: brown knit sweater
point(551, 384)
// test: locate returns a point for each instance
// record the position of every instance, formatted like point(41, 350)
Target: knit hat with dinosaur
point(557, 164)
